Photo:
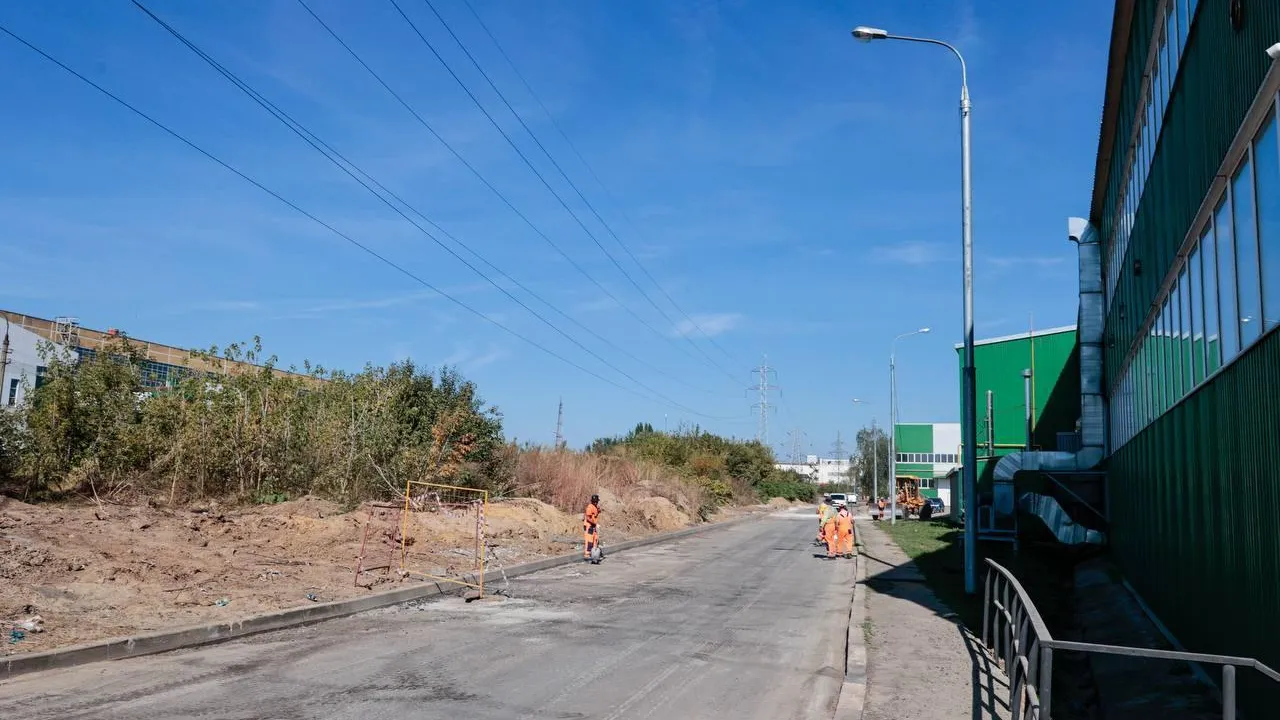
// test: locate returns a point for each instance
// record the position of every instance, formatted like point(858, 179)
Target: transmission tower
point(763, 387)
point(797, 438)
point(560, 425)
point(837, 451)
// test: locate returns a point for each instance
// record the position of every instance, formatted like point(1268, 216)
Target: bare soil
point(98, 571)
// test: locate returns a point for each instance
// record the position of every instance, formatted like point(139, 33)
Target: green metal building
point(1186, 204)
point(1052, 357)
point(931, 452)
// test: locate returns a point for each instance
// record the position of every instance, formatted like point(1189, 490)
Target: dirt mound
point(780, 502)
point(660, 514)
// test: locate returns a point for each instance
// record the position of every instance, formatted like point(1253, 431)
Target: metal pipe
point(991, 428)
point(969, 418)
point(1046, 681)
point(1026, 399)
point(893, 441)
point(1229, 692)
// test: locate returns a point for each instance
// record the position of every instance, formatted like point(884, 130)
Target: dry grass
point(567, 479)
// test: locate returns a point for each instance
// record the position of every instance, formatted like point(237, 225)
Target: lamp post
point(875, 453)
point(968, 419)
point(893, 423)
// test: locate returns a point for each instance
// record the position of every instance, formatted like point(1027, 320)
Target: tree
point(872, 462)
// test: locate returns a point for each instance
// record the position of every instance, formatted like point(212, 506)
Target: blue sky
point(795, 192)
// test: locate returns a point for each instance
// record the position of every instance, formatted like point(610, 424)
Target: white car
point(838, 499)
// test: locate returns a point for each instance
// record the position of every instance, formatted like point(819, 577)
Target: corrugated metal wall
point(1194, 497)
point(1195, 513)
point(1057, 394)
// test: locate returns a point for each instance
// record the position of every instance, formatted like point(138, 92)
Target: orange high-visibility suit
point(590, 529)
point(844, 534)
point(829, 534)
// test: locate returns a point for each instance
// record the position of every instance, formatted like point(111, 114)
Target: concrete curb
point(853, 693)
point(166, 640)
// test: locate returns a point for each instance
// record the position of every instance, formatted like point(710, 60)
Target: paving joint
point(208, 634)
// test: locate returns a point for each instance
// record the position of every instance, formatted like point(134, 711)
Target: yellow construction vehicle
point(909, 498)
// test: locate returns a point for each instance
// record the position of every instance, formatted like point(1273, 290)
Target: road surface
point(741, 622)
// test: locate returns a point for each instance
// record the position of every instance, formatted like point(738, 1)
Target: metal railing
point(1016, 636)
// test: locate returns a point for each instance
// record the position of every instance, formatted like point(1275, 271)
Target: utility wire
point(566, 177)
point(365, 248)
point(576, 218)
point(538, 231)
point(347, 166)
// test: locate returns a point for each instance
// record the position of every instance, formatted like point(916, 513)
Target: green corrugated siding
point(1194, 510)
point(1057, 388)
point(1194, 501)
point(914, 438)
point(1217, 80)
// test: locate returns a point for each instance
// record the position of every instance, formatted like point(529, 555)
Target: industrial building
point(1028, 390)
point(820, 470)
point(931, 452)
point(23, 367)
point(1186, 204)
point(1153, 426)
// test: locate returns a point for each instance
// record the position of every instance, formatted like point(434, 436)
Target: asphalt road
point(742, 622)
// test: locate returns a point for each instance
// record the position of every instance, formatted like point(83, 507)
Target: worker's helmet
point(595, 498)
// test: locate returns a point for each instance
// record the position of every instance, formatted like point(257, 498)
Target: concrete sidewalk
point(922, 664)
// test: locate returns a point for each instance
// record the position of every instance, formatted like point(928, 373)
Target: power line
point(533, 168)
point(347, 166)
point(556, 165)
point(294, 206)
point(485, 181)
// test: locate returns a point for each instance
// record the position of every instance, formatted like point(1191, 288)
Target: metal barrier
point(1016, 636)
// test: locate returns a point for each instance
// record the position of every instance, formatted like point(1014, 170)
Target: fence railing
point(1016, 636)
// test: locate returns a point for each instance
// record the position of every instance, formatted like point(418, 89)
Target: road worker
point(880, 505)
point(830, 534)
point(844, 533)
point(591, 527)
point(825, 512)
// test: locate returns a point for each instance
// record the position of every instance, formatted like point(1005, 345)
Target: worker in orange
point(590, 527)
point(825, 511)
point(844, 533)
point(830, 534)
point(880, 505)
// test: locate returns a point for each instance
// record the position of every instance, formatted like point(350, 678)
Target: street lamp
point(875, 454)
point(893, 423)
point(968, 414)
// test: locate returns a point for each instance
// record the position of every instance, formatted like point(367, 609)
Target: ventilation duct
point(1092, 406)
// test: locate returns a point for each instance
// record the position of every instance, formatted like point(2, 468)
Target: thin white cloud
point(600, 304)
point(912, 252)
point(709, 324)
point(1039, 262)
point(467, 358)
point(229, 306)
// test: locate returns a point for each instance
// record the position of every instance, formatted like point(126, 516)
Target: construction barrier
point(442, 533)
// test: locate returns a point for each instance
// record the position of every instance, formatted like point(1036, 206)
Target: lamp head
point(867, 34)
point(1273, 52)
point(924, 330)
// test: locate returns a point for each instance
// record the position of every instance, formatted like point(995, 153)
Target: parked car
point(937, 505)
point(838, 499)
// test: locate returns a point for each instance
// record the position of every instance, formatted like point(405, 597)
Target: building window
point(927, 484)
point(1266, 164)
point(13, 391)
point(1175, 342)
point(1197, 318)
point(1246, 235)
point(42, 376)
point(1227, 305)
point(1209, 263)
